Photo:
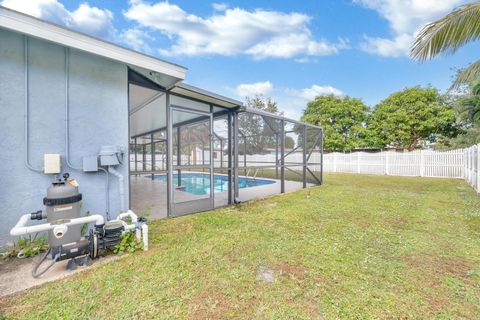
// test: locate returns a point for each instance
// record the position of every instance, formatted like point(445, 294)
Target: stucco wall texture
point(98, 116)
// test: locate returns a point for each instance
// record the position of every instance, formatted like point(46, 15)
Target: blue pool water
point(199, 183)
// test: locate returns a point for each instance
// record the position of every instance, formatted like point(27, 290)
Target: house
point(69, 96)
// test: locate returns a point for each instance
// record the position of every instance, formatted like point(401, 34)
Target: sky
point(291, 51)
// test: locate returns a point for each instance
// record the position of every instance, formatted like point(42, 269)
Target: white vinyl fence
point(459, 163)
point(472, 165)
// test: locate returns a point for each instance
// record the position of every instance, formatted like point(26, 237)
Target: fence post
point(358, 162)
point(477, 187)
point(422, 163)
point(469, 167)
point(334, 161)
point(386, 162)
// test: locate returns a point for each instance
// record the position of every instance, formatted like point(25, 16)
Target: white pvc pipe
point(143, 228)
point(145, 236)
point(21, 229)
point(130, 214)
point(120, 186)
point(129, 227)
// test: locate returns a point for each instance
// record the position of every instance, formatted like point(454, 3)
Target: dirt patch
point(210, 304)
point(12, 264)
point(268, 205)
point(431, 269)
point(180, 227)
point(290, 270)
point(265, 274)
point(439, 265)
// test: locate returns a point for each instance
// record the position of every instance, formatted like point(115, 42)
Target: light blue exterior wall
point(98, 116)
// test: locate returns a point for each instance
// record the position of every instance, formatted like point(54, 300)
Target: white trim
point(31, 26)
point(203, 95)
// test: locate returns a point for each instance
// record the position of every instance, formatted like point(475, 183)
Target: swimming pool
point(199, 183)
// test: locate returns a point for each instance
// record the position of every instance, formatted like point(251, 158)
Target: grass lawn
point(357, 247)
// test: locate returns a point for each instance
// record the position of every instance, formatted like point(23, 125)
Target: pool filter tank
point(63, 203)
point(64, 224)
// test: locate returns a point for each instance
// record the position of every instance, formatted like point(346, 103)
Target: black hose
point(35, 268)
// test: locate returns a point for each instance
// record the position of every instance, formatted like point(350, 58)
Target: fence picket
point(460, 163)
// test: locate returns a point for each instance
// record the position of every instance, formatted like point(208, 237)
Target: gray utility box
point(110, 156)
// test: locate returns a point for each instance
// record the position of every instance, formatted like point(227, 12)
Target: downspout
point(67, 133)
point(121, 190)
point(107, 195)
point(26, 111)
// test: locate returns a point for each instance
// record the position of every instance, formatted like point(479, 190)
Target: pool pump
point(64, 227)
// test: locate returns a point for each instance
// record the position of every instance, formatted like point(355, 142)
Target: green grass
point(357, 247)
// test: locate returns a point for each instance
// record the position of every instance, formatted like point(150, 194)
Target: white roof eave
point(22, 23)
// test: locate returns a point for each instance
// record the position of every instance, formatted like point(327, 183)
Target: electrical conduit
point(67, 133)
point(26, 111)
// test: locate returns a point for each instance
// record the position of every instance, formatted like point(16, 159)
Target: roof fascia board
point(199, 91)
point(38, 28)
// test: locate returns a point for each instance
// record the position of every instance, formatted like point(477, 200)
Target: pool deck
point(151, 195)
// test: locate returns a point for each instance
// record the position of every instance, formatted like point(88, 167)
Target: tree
point(262, 103)
point(343, 120)
point(470, 104)
point(448, 34)
point(289, 142)
point(466, 104)
point(258, 132)
point(409, 117)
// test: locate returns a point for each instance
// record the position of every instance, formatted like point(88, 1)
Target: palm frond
point(468, 75)
point(448, 34)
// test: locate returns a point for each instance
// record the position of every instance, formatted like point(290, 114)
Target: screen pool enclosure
point(192, 150)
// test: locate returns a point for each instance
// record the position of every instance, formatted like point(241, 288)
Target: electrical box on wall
point(90, 164)
point(51, 164)
point(110, 155)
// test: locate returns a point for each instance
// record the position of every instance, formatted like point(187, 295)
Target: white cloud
point(291, 101)
point(85, 18)
point(314, 91)
point(294, 101)
point(137, 39)
point(405, 18)
point(252, 89)
point(220, 6)
point(234, 31)
point(396, 47)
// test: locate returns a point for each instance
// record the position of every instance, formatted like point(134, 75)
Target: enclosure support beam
point(229, 157)
point(221, 154)
point(136, 151)
point(144, 158)
point(235, 157)
point(321, 157)
point(276, 156)
point(245, 153)
point(304, 156)
point(282, 158)
point(152, 147)
point(188, 149)
point(179, 158)
point(169, 157)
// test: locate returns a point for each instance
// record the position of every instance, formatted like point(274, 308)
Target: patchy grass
point(357, 247)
